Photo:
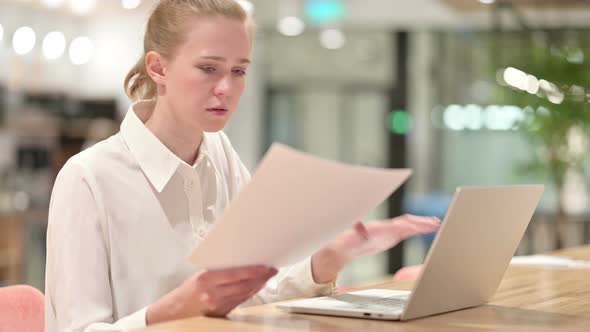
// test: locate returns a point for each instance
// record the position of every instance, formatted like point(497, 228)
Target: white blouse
point(125, 216)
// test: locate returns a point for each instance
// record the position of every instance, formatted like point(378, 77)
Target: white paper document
point(549, 261)
point(294, 205)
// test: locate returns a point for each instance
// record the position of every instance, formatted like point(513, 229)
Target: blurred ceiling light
point(515, 116)
point(515, 78)
point(556, 98)
point(493, 117)
point(532, 85)
point(82, 7)
point(529, 83)
point(502, 117)
point(81, 50)
point(53, 3)
point(23, 40)
point(247, 5)
point(291, 26)
point(546, 86)
point(487, 2)
point(552, 92)
point(332, 39)
point(130, 4)
point(453, 117)
point(473, 117)
point(54, 45)
point(476, 117)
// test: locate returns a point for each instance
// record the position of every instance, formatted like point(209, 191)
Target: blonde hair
point(165, 32)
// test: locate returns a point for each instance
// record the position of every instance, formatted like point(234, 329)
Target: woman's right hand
point(210, 293)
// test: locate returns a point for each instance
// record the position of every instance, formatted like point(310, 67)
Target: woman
point(126, 213)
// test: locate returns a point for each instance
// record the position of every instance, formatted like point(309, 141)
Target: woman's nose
point(222, 87)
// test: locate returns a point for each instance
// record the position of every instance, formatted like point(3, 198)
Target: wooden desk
point(529, 299)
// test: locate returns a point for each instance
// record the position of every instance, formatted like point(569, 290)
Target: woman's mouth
point(217, 110)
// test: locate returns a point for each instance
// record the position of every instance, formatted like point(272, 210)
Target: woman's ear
point(154, 64)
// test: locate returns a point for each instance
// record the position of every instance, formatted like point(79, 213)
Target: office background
point(464, 92)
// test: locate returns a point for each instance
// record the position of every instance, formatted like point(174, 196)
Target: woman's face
point(206, 76)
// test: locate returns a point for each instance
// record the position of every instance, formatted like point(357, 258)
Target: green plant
point(554, 93)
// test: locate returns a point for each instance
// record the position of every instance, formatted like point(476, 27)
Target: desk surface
point(529, 299)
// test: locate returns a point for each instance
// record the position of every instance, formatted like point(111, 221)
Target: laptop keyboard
point(361, 302)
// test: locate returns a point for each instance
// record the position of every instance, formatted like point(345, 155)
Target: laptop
point(468, 258)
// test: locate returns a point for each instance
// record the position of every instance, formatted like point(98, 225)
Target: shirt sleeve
point(78, 294)
point(291, 282)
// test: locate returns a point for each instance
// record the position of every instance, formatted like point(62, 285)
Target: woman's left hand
point(364, 240)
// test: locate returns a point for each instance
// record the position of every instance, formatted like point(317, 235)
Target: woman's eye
point(208, 69)
point(240, 72)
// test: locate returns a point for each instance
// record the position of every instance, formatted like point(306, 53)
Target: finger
point(408, 273)
point(232, 275)
point(402, 225)
point(405, 229)
point(420, 219)
point(254, 290)
point(226, 306)
point(220, 302)
point(240, 288)
point(421, 224)
point(249, 295)
point(218, 309)
point(402, 228)
point(361, 230)
point(217, 306)
point(431, 223)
